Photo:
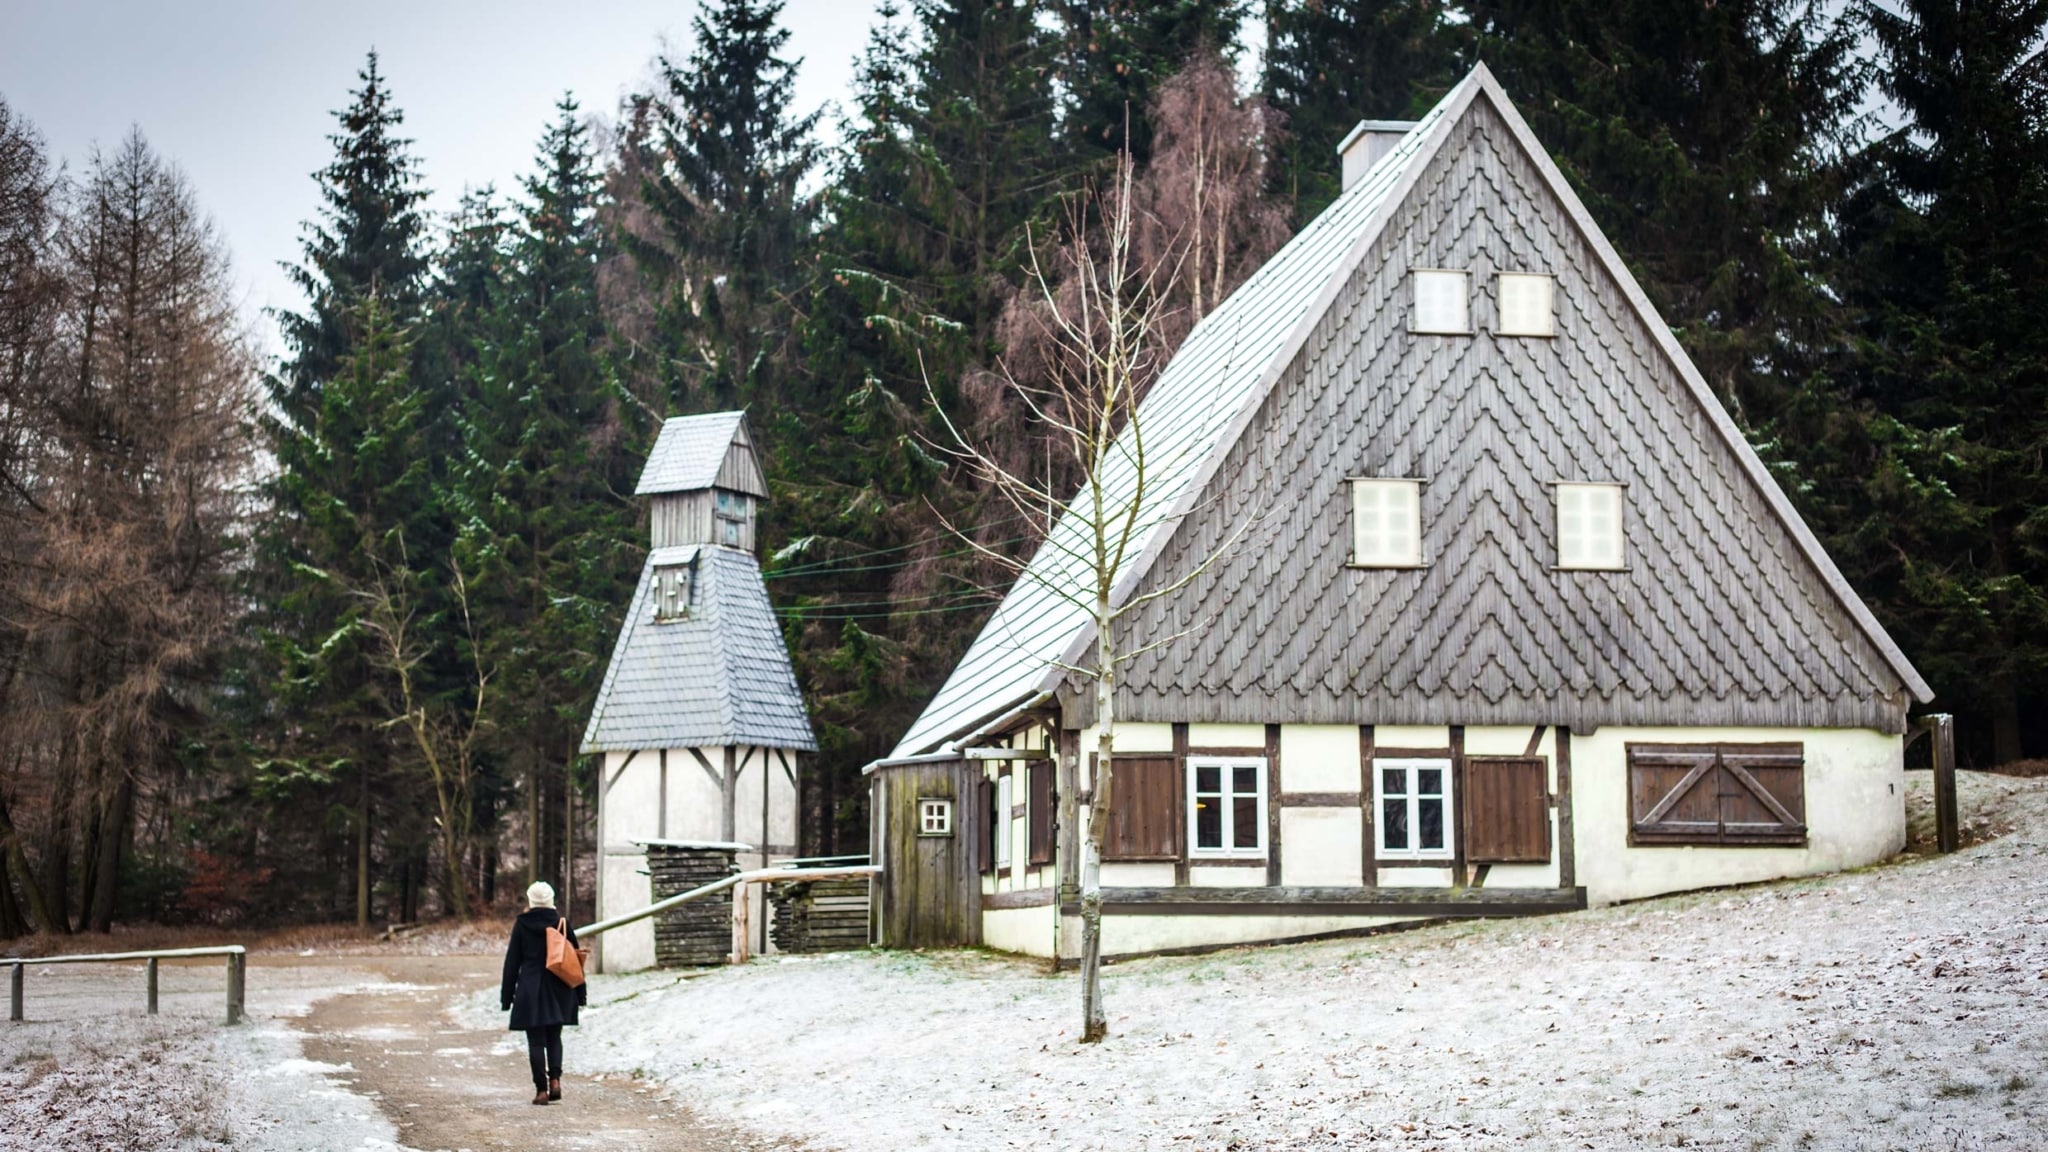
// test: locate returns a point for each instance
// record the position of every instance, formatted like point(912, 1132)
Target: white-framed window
point(1226, 806)
point(1386, 523)
point(1589, 526)
point(1443, 301)
point(1526, 304)
point(671, 592)
point(1412, 800)
point(1000, 821)
point(934, 816)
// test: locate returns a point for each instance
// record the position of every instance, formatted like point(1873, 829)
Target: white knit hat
point(540, 894)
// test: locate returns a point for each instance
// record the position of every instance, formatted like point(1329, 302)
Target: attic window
point(1525, 305)
point(1442, 302)
point(1386, 524)
point(671, 592)
point(730, 509)
point(1589, 526)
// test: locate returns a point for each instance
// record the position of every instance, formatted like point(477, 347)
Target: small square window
point(671, 592)
point(1525, 305)
point(1589, 526)
point(1386, 523)
point(934, 816)
point(1442, 302)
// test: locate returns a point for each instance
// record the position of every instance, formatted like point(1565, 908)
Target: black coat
point(536, 996)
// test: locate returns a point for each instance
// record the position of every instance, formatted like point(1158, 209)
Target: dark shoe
point(540, 1096)
point(554, 1088)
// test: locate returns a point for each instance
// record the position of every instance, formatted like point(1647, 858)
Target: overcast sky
point(241, 93)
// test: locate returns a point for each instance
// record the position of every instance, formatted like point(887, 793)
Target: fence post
point(152, 985)
point(1947, 831)
point(237, 964)
point(740, 931)
point(14, 994)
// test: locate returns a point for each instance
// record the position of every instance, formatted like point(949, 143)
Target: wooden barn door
point(1507, 810)
point(930, 887)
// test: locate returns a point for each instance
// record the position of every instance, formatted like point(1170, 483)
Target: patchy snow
point(1898, 1007)
point(90, 1071)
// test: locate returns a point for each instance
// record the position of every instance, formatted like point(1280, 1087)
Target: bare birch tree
point(1098, 312)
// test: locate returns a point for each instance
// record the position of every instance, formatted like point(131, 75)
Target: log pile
point(698, 933)
point(820, 915)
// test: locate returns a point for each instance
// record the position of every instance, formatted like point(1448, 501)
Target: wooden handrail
point(237, 958)
point(757, 876)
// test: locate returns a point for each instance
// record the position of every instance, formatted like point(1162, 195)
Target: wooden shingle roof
point(719, 676)
point(706, 451)
point(1730, 613)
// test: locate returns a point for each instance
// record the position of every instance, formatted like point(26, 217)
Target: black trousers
point(544, 1054)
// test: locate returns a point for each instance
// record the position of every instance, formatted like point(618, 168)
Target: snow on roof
point(1200, 396)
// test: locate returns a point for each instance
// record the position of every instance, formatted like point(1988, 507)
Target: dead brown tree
point(128, 459)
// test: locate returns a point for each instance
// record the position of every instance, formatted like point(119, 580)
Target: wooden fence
point(237, 964)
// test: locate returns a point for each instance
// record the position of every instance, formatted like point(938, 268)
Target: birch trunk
point(1095, 1024)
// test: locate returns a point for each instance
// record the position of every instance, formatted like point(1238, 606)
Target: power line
point(822, 567)
point(883, 615)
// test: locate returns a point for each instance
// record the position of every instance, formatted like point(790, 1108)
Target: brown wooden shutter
point(1042, 811)
point(1144, 811)
point(1723, 794)
point(1763, 794)
point(1507, 810)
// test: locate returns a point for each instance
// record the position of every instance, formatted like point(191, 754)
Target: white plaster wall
point(1855, 812)
point(1215, 877)
point(1137, 875)
point(1133, 738)
point(1220, 736)
point(1418, 878)
point(627, 814)
point(781, 799)
point(1319, 758)
point(1320, 847)
point(696, 806)
point(1025, 930)
point(631, 802)
point(626, 889)
point(1125, 935)
point(1412, 735)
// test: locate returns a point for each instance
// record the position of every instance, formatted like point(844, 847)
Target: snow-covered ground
point(1904, 1006)
point(88, 1071)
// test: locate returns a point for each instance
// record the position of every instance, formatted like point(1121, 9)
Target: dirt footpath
point(447, 1087)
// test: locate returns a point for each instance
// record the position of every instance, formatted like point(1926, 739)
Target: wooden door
point(929, 893)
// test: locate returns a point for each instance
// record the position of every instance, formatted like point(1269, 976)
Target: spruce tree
point(548, 537)
point(1705, 139)
point(364, 262)
point(1947, 274)
point(1113, 56)
point(369, 240)
point(725, 191)
point(1330, 64)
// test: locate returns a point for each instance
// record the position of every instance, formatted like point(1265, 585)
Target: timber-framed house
point(1480, 604)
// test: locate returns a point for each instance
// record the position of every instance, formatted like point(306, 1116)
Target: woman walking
point(540, 1002)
